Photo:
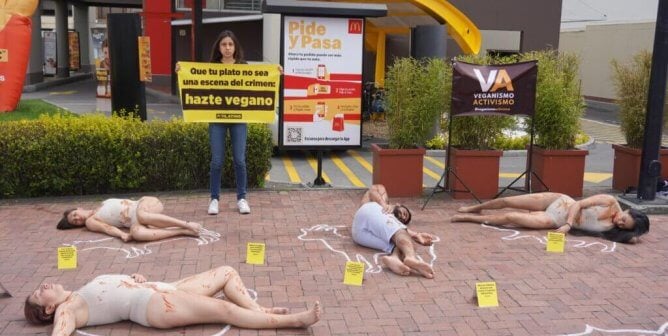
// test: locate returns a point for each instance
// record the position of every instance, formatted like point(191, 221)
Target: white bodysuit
point(121, 213)
point(113, 298)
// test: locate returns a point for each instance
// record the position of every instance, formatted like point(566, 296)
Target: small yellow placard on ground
point(255, 253)
point(354, 273)
point(487, 295)
point(556, 242)
point(67, 257)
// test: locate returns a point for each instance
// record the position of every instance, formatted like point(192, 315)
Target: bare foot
point(422, 267)
point(276, 310)
point(309, 317)
point(395, 265)
point(195, 228)
point(469, 209)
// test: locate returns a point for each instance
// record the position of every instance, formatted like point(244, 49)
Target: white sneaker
point(243, 206)
point(213, 207)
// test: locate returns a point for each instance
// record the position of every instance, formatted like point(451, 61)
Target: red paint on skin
point(128, 285)
point(169, 307)
point(63, 323)
point(125, 217)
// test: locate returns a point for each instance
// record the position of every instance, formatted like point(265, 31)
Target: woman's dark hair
point(64, 223)
point(35, 313)
point(640, 227)
point(217, 56)
point(396, 214)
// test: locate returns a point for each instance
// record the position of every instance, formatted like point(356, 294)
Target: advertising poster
point(100, 46)
point(144, 47)
point(322, 82)
point(228, 93)
point(50, 58)
point(73, 44)
point(507, 89)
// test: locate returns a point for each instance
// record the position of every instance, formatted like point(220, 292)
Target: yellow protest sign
point(67, 257)
point(486, 293)
point(255, 253)
point(555, 242)
point(228, 93)
point(354, 273)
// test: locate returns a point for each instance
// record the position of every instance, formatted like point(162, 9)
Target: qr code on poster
point(294, 134)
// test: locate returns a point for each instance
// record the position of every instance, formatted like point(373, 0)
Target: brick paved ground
point(539, 293)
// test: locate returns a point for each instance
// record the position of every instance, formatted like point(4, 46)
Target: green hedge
point(96, 154)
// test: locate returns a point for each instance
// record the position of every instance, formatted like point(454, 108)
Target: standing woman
point(227, 50)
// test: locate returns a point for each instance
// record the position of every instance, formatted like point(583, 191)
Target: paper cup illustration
point(337, 122)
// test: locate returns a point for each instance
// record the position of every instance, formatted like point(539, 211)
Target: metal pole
point(319, 181)
point(650, 167)
point(196, 32)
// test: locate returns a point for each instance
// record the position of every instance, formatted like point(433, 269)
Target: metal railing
point(223, 5)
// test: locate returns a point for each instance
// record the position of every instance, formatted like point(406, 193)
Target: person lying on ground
point(143, 218)
point(114, 298)
point(382, 226)
point(598, 215)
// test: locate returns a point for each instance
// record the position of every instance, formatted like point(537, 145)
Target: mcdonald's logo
point(355, 26)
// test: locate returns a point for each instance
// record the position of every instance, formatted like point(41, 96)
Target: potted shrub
point(556, 121)
point(415, 97)
point(473, 157)
point(631, 86)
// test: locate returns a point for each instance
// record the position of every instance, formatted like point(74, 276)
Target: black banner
point(508, 89)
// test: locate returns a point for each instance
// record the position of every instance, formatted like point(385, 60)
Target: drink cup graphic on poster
point(338, 122)
point(322, 71)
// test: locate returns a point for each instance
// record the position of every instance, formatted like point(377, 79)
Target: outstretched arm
point(64, 322)
point(97, 225)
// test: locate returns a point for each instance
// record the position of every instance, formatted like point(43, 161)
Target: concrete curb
point(658, 206)
point(163, 96)
point(57, 81)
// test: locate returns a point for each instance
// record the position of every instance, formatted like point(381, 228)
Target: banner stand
point(445, 177)
point(528, 173)
point(475, 93)
point(4, 293)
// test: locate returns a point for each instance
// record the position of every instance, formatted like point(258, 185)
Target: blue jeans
point(238, 133)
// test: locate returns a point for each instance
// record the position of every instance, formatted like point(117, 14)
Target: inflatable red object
point(15, 32)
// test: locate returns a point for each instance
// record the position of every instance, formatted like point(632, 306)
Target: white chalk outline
point(374, 268)
point(226, 328)
point(589, 329)
point(543, 240)
point(206, 237)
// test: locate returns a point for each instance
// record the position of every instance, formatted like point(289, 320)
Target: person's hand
point(388, 209)
point(177, 67)
point(138, 278)
point(126, 237)
point(280, 69)
point(564, 228)
point(424, 238)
